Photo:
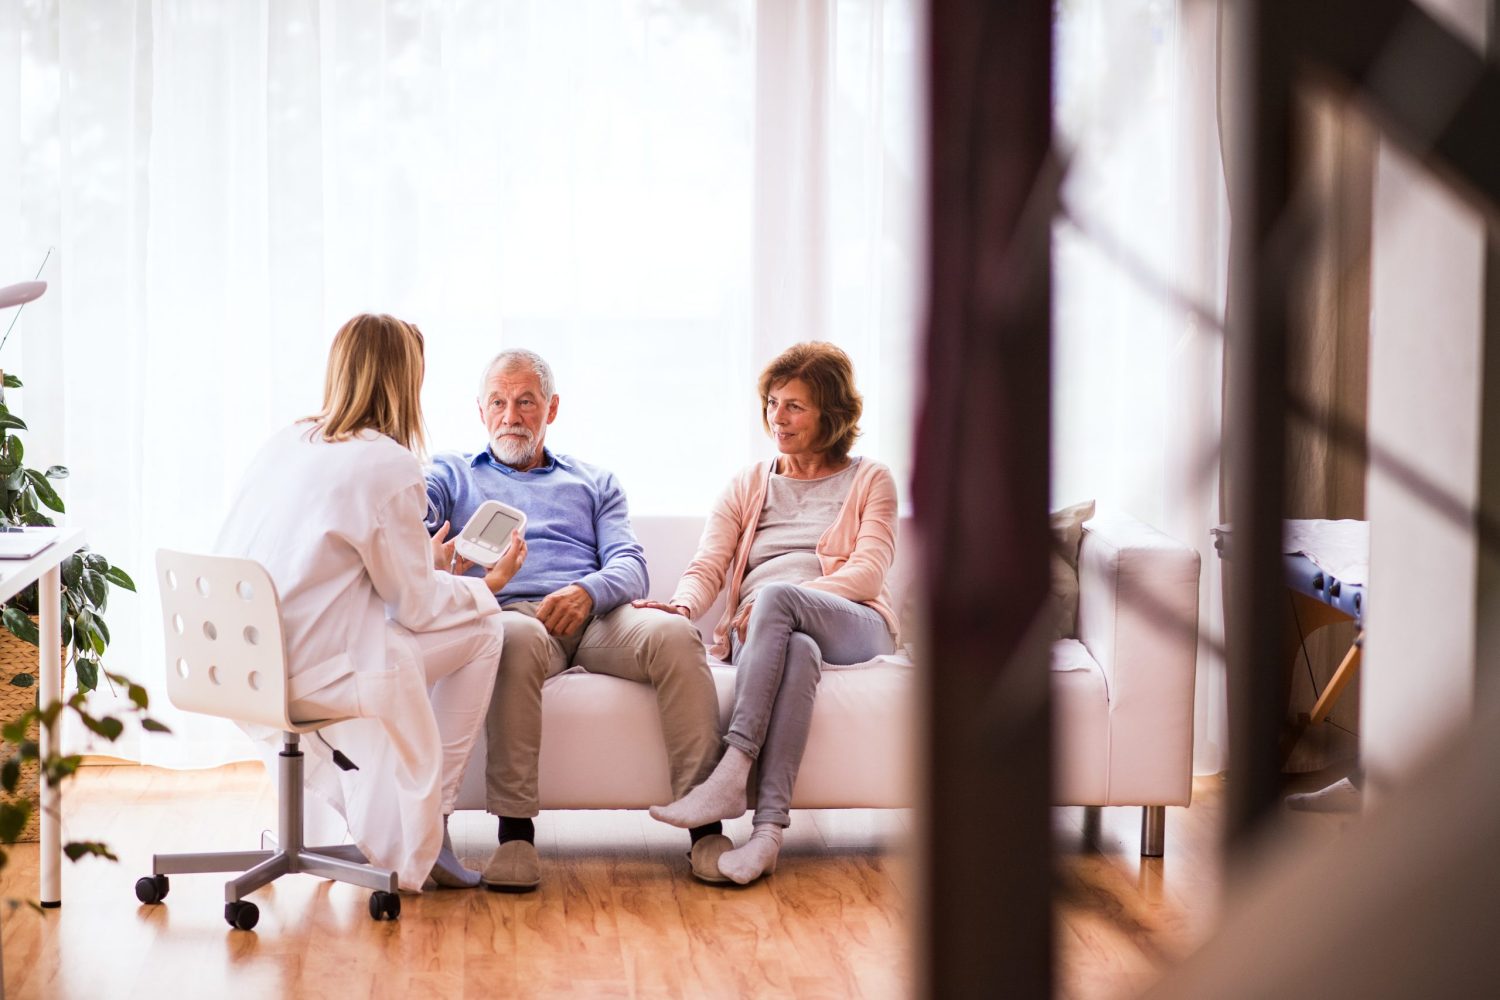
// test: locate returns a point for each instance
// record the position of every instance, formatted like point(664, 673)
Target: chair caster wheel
point(384, 905)
point(242, 914)
point(152, 888)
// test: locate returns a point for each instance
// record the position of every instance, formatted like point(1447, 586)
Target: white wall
point(1425, 354)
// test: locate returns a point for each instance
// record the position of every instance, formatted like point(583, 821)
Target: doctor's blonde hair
point(374, 381)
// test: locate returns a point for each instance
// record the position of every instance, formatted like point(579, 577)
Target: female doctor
point(332, 507)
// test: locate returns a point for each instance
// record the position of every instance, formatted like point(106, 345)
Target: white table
point(44, 568)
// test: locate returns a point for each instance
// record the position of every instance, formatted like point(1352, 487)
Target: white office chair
point(226, 657)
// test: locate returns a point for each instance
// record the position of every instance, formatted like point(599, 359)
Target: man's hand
point(741, 620)
point(564, 611)
point(671, 609)
point(442, 552)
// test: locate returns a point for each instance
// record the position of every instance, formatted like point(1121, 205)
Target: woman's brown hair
point(374, 381)
point(830, 377)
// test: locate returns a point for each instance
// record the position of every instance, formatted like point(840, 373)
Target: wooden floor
point(617, 914)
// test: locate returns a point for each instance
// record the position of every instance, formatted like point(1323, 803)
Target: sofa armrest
point(1138, 616)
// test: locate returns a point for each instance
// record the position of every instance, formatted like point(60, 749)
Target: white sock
point(758, 857)
point(720, 796)
point(1341, 796)
point(447, 870)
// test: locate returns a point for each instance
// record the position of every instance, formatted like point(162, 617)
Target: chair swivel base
point(342, 863)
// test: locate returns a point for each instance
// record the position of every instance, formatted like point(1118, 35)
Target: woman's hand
point(442, 552)
point(741, 620)
point(498, 575)
point(671, 609)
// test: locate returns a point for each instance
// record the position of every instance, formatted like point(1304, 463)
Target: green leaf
point(108, 726)
point(56, 472)
point(67, 632)
point(139, 696)
point(10, 774)
point(14, 480)
point(72, 569)
point(15, 729)
point(44, 490)
point(13, 816)
point(93, 585)
point(95, 562)
point(84, 848)
point(22, 681)
point(152, 726)
point(119, 578)
point(88, 674)
point(20, 625)
point(59, 769)
point(11, 382)
point(10, 421)
point(102, 628)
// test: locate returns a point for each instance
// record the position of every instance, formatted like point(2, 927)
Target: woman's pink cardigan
point(855, 552)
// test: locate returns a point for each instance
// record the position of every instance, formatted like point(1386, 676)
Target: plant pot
point(19, 657)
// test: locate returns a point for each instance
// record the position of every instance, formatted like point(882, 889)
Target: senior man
point(568, 605)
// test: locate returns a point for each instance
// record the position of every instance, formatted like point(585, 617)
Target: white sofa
point(1122, 696)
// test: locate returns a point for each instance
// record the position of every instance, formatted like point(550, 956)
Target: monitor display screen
point(497, 532)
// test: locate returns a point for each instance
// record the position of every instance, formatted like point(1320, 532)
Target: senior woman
point(803, 543)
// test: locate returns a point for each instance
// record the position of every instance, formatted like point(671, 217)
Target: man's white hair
point(518, 357)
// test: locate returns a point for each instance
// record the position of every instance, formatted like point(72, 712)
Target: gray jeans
point(792, 632)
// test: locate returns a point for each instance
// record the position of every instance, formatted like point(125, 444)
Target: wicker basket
point(18, 657)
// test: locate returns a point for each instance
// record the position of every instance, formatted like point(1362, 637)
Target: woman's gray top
point(795, 515)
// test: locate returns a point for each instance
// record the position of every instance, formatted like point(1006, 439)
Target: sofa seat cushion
point(602, 746)
point(1080, 726)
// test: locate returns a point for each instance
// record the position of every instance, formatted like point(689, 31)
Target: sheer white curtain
point(657, 196)
point(1140, 259)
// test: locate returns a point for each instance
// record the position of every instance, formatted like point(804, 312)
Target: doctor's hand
point(442, 552)
point(741, 620)
point(498, 575)
point(564, 611)
point(671, 609)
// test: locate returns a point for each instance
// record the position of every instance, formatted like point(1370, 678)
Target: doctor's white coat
point(339, 528)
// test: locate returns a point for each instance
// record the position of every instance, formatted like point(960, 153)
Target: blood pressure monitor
point(487, 535)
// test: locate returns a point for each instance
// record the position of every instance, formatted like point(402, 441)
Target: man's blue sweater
point(577, 524)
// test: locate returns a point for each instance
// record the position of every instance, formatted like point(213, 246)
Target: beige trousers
point(636, 644)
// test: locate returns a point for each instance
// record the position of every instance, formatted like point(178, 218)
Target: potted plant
point(86, 578)
point(26, 499)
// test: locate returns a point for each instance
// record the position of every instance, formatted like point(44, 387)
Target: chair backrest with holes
point(225, 652)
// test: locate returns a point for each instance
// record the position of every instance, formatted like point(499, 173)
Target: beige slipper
point(705, 858)
point(513, 868)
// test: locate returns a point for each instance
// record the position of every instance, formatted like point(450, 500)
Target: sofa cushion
point(1067, 533)
point(602, 745)
point(1080, 726)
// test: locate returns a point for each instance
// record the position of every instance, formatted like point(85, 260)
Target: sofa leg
point(1092, 825)
point(1153, 831)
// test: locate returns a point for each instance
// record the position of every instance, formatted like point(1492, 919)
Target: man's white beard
point(514, 447)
